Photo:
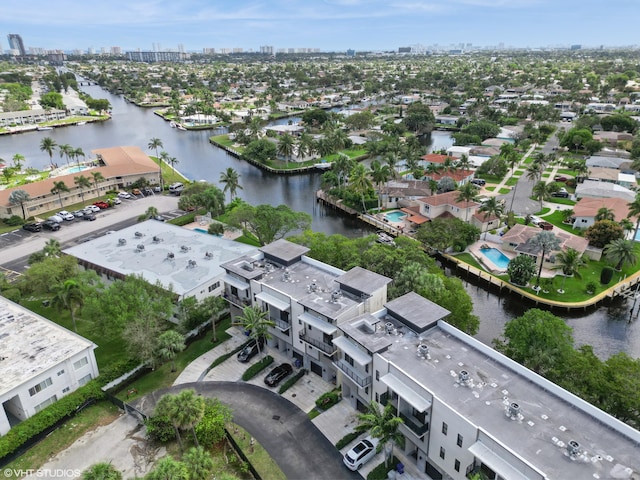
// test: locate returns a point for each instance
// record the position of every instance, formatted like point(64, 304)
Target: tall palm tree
point(285, 146)
point(52, 248)
point(168, 407)
point(621, 251)
point(467, 193)
point(19, 197)
point(255, 321)
point(627, 225)
point(48, 144)
point(634, 211)
point(173, 161)
point(360, 183)
point(82, 182)
point(58, 188)
point(69, 295)
point(77, 153)
point(190, 410)
point(170, 343)
point(547, 242)
point(379, 175)
point(306, 145)
point(18, 160)
point(542, 191)
point(65, 150)
point(534, 172)
point(155, 144)
point(492, 206)
point(342, 167)
point(231, 180)
point(383, 424)
point(570, 262)
point(97, 178)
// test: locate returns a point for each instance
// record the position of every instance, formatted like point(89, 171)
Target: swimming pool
point(201, 230)
point(76, 169)
point(395, 216)
point(498, 258)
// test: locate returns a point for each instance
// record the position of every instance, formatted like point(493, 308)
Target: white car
point(535, 220)
point(56, 218)
point(124, 195)
point(92, 208)
point(66, 215)
point(361, 453)
point(117, 201)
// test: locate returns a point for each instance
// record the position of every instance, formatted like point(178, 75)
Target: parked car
point(361, 453)
point(250, 350)
point(479, 181)
point(546, 225)
point(147, 191)
point(117, 201)
point(136, 192)
point(78, 213)
point(92, 208)
point(157, 189)
point(51, 225)
point(560, 194)
point(275, 376)
point(101, 205)
point(124, 194)
point(66, 215)
point(535, 220)
point(90, 217)
point(32, 227)
point(159, 218)
point(560, 178)
point(56, 218)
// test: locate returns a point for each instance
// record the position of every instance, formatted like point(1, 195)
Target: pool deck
point(475, 248)
point(203, 225)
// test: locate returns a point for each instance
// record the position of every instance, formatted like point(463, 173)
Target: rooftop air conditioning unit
point(423, 350)
point(463, 376)
point(122, 241)
point(139, 234)
point(513, 410)
point(157, 239)
point(389, 327)
point(208, 255)
point(139, 247)
point(191, 264)
point(573, 448)
point(184, 248)
point(170, 256)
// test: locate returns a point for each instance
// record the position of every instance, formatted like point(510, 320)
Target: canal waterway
point(606, 329)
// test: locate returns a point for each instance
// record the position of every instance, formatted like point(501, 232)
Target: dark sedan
point(276, 375)
point(51, 225)
point(249, 351)
point(32, 227)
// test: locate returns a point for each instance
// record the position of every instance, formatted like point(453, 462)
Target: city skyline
point(329, 25)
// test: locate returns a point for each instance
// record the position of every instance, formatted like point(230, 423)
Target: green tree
point(419, 118)
point(199, 463)
point(467, 192)
point(538, 340)
point(256, 322)
point(82, 182)
point(268, 223)
point(190, 410)
point(546, 242)
point(168, 469)
point(542, 191)
point(168, 345)
point(231, 181)
point(285, 146)
point(360, 183)
point(155, 144)
point(69, 295)
point(40, 277)
point(101, 471)
point(603, 232)
point(380, 175)
point(604, 213)
point(65, 150)
point(521, 269)
point(211, 429)
point(492, 207)
point(19, 197)
point(634, 211)
point(383, 424)
point(621, 251)
point(260, 151)
point(48, 144)
point(18, 160)
point(58, 188)
point(570, 262)
point(97, 178)
point(77, 153)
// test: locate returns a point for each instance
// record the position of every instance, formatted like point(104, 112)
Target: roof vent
point(156, 239)
point(122, 241)
point(286, 275)
point(139, 247)
point(463, 377)
point(208, 255)
point(513, 410)
point(184, 248)
point(335, 296)
point(191, 264)
point(170, 256)
point(423, 350)
point(139, 234)
point(389, 327)
point(247, 266)
point(573, 448)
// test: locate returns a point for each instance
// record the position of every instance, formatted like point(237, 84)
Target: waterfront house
point(586, 209)
point(447, 205)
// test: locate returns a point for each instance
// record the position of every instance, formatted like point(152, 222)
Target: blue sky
point(330, 25)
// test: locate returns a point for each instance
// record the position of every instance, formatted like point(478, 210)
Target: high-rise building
point(15, 43)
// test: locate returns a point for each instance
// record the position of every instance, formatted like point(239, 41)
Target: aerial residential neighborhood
point(418, 263)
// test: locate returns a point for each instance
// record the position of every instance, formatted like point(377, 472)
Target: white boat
point(180, 127)
point(81, 123)
point(323, 165)
point(41, 129)
point(172, 124)
point(384, 238)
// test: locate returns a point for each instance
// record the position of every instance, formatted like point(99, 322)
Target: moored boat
point(180, 127)
point(41, 129)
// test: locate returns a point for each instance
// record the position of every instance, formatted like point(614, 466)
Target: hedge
point(328, 399)
point(256, 368)
point(63, 408)
point(291, 381)
point(184, 219)
point(346, 440)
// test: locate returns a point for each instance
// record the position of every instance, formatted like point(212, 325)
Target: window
point(445, 427)
point(456, 465)
point(234, 291)
point(61, 372)
point(377, 397)
point(348, 359)
point(459, 442)
point(442, 453)
point(284, 316)
point(41, 386)
point(45, 404)
point(65, 389)
point(377, 375)
point(84, 380)
point(80, 363)
point(214, 286)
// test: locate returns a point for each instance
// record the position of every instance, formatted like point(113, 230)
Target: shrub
point(184, 219)
point(328, 399)
point(256, 368)
point(606, 275)
point(591, 287)
point(159, 429)
point(291, 381)
point(216, 229)
point(14, 221)
point(211, 429)
point(346, 440)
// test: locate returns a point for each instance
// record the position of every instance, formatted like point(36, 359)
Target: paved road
point(291, 439)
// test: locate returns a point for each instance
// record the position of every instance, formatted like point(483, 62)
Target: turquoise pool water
point(395, 216)
point(76, 169)
point(498, 258)
point(201, 230)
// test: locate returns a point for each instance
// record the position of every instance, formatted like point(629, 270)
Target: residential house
point(402, 193)
point(586, 209)
point(30, 117)
point(610, 175)
point(446, 205)
point(595, 189)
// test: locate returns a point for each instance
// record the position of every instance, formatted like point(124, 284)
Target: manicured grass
point(561, 201)
point(88, 420)
point(512, 181)
point(470, 259)
point(256, 454)
point(544, 211)
point(519, 173)
point(566, 171)
point(504, 191)
point(380, 472)
point(490, 189)
point(556, 218)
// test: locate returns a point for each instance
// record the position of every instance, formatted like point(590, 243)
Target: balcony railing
point(324, 347)
point(240, 302)
point(281, 325)
point(360, 379)
point(414, 425)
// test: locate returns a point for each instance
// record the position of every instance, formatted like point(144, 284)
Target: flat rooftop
point(547, 421)
point(178, 257)
point(31, 344)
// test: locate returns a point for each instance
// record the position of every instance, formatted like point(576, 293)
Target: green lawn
point(256, 454)
point(470, 259)
point(512, 181)
point(504, 191)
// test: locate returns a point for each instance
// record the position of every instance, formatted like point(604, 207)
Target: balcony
point(326, 348)
point(361, 380)
point(281, 325)
point(237, 301)
point(414, 424)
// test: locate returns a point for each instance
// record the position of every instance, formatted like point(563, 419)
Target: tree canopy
point(266, 222)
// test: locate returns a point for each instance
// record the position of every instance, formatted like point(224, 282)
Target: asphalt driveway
point(293, 441)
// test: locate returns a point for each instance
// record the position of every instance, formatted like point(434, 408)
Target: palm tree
point(379, 175)
point(634, 211)
point(155, 144)
point(199, 462)
point(190, 410)
point(547, 242)
point(167, 407)
point(360, 183)
point(18, 160)
point(306, 145)
point(383, 424)
point(542, 191)
point(627, 225)
point(569, 261)
point(69, 295)
point(48, 144)
point(342, 166)
point(58, 188)
point(170, 343)
point(467, 193)
point(621, 251)
point(231, 180)
point(605, 213)
point(534, 172)
point(173, 161)
point(102, 471)
point(19, 197)
point(97, 178)
point(52, 248)
point(82, 182)
point(65, 150)
point(492, 207)
point(285, 146)
point(255, 321)
point(77, 153)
